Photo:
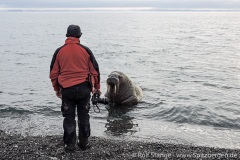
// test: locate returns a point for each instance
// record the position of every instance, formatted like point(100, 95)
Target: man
point(74, 73)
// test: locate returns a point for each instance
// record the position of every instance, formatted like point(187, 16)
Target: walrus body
point(121, 90)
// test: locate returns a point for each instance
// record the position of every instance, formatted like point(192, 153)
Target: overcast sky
point(167, 4)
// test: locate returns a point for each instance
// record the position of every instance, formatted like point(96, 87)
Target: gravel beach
point(51, 147)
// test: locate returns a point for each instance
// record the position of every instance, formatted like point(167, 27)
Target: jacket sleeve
point(93, 68)
point(54, 71)
point(94, 71)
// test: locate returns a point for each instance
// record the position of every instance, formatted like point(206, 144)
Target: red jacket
point(72, 64)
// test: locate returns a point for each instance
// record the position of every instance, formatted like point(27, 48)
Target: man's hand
point(97, 91)
point(59, 94)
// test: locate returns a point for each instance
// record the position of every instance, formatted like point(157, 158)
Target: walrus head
point(113, 84)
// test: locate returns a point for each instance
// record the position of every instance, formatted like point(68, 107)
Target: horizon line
point(119, 9)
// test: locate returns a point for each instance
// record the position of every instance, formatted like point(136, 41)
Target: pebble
point(51, 148)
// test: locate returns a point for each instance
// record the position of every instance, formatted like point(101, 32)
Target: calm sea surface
point(188, 65)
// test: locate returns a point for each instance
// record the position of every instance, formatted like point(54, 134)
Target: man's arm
point(54, 71)
point(95, 75)
point(93, 68)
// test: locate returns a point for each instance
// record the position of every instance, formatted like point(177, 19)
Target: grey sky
point(177, 4)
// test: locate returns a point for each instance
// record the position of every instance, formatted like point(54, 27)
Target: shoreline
point(51, 147)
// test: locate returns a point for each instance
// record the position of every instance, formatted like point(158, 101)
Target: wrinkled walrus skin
point(121, 90)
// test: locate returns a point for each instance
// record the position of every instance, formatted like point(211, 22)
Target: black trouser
point(78, 95)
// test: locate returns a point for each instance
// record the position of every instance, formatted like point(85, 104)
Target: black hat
point(74, 31)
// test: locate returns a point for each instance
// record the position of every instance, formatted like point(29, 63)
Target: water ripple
point(198, 116)
point(14, 110)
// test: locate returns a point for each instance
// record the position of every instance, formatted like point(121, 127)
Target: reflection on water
point(119, 122)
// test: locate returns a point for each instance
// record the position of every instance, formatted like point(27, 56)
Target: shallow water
point(188, 65)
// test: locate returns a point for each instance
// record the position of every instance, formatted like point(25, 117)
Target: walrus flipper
point(139, 93)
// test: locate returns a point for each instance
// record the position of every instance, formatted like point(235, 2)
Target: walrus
point(121, 90)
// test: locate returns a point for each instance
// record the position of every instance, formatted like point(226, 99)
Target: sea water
point(187, 63)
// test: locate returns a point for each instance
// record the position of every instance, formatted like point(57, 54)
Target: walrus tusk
point(115, 89)
point(108, 88)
